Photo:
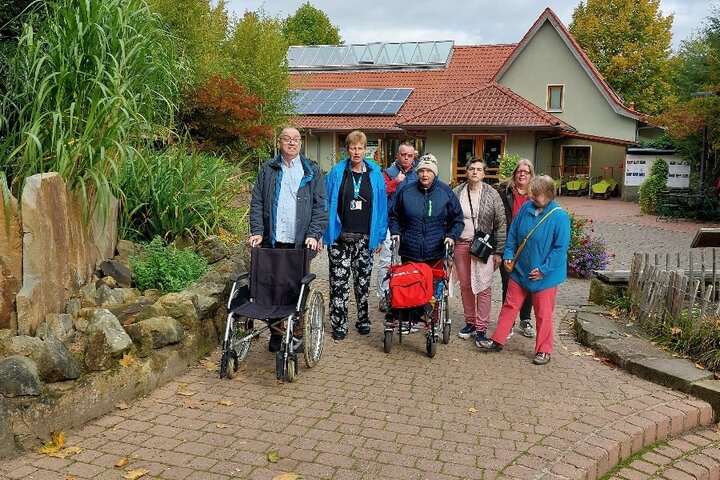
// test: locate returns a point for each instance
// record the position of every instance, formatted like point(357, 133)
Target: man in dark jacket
point(426, 215)
point(288, 208)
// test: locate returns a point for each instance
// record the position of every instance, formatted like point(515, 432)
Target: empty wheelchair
point(419, 295)
point(275, 294)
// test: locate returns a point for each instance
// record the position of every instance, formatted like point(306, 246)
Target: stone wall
point(60, 250)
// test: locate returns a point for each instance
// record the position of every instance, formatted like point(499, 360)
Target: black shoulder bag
point(483, 244)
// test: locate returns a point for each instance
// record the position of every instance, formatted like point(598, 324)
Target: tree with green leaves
point(629, 42)
point(310, 26)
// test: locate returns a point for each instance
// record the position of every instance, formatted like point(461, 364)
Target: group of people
point(359, 210)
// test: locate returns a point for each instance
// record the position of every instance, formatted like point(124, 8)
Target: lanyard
point(357, 183)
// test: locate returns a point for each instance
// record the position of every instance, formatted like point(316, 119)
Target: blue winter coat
point(378, 217)
point(546, 248)
point(312, 214)
point(424, 217)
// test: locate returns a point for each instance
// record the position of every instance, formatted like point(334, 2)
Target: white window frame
point(549, 107)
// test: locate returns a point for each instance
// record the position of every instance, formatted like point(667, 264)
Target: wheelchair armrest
point(308, 278)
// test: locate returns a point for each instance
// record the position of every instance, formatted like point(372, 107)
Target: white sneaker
point(527, 329)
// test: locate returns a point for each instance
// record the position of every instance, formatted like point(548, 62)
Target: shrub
point(166, 268)
point(508, 162)
point(174, 193)
point(655, 183)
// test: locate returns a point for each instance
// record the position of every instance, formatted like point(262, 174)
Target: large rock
point(24, 345)
point(55, 363)
point(10, 262)
point(58, 325)
point(105, 295)
point(60, 250)
point(104, 231)
point(116, 270)
point(181, 306)
point(19, 377)
point(212, 248)
point(155, 333)
point(106, 341)
point(7, 437)
point(127, 313)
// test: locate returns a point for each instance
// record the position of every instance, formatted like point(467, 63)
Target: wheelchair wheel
point(431, 345)
point(231, 367)
point(314, 332)
point(388, 341)
point(242, 327)
point(444, 319)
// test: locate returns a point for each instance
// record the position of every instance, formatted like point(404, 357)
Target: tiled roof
point(470, 68)
point(490, 106)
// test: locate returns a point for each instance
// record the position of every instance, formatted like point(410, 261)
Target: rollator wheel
point(431, 346)
point(445, 320)
point(314, 332)
point(388, 341)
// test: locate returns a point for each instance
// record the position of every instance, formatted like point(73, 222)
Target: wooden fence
point(663, 285)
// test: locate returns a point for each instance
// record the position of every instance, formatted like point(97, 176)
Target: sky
point(467, 22)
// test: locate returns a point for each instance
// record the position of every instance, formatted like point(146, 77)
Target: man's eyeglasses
point(523, 172)
point(291, 139)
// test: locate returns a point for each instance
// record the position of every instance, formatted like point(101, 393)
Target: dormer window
point(555, 98)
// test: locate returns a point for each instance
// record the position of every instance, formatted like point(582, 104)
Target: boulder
point(206, 306)
point(55, 363)
point(58, 252)
point(127, 313)
point(150, 311)
point(87, 295)
point(106, 341)
point(155, 333)
point(224, 270)
point(212, 248)
point(125, 249)
point(105, 295)
point(153, 293)
point(107, 280)
point(58, 325)
point(209, 289)
point(128, 294)
point(24, 345)
point(116, 270)
point(73, 306)
point(103, 235)
point(181, 306)
point(19, 377)
point(10, 262)
point(7, 437)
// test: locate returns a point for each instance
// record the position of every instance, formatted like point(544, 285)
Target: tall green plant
point(508, 162)
point(96, 81)
point(175, 193)
point(654, 184)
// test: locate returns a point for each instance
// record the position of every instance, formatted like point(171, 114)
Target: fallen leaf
point(71, 478)
point(716, 375)
point(287, 476)
point(127, 360)
point(186, 393)
point(273, 457)
point(615, 313)
point(227, 403)
point(192, 404)
point(122, 463)
point(577, 354)
point(137, 473)
point(57, 440)
point(209, 365)
point(588, 354)
point(472, 410)
point(221, 425)
point(121, 406)
point(675, 331)
point(565, 348)
point(699, 367)
point(66, 452)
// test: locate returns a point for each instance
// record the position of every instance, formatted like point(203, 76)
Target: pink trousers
point(476, 307)
point(544, 305)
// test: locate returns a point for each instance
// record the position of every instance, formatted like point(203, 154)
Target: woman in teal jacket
point(540, 266)
point(357, 226)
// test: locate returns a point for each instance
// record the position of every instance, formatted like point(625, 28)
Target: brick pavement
point(364, 414)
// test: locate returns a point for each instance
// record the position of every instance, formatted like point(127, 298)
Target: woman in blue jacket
point(539, 267)
point(357, 226)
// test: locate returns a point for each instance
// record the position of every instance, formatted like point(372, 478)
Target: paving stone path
point(364, 414)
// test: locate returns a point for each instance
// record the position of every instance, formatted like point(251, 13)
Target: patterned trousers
point(346, 257)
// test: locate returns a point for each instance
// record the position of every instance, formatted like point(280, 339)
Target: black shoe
point(337, 335)
point(363, 328)
point(275, 342)
point(488, 345)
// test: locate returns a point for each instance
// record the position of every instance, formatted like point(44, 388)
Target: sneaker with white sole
point(467, 331)
point(527, 329)
point(541, 358)
point(407, 328)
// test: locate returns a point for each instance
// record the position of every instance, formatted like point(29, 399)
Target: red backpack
point(411, 285)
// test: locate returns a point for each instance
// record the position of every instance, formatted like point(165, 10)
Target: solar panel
point(370, 56)
point(369, 101)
